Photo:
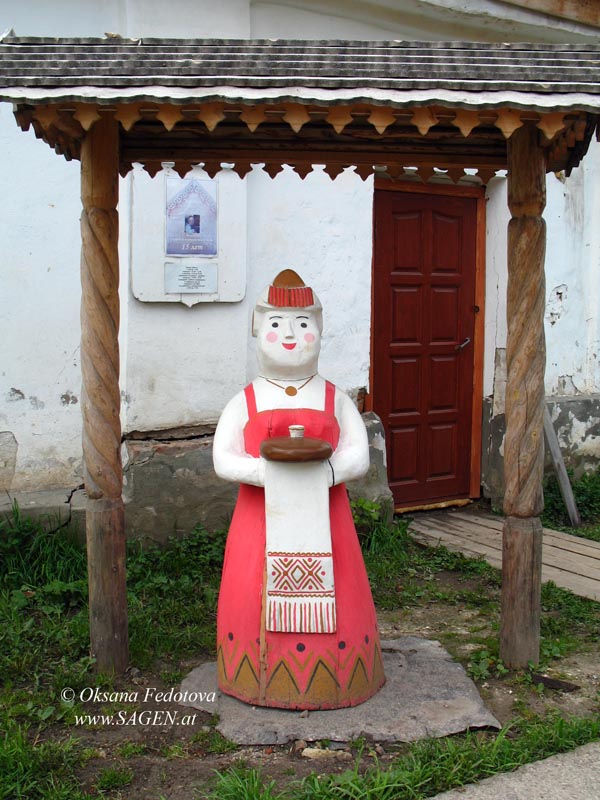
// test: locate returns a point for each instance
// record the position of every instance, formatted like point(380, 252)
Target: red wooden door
point(423, 326)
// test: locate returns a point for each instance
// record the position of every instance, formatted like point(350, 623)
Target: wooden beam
point(105, 527)
point(258, 150)
point(585, 12)
point(561, 471)
point(525, 401)
point(478, 347)
point(153, 157)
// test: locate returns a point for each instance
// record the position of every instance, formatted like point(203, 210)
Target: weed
point(44, 633)
point(211, 741)
point(366, 515)
point(386, 552)
point(483, 666)
point(172, 676)
point(43, 599)
point(567, 621)
point(375, 534)
point(240, 783)
point(113, 778)
point(131, 749)
point(32, 556)
point(42, 644)
point(177, 750)
point(586, 491)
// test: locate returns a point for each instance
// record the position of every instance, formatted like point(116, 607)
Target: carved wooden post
point(105, 526)
point(525, 399)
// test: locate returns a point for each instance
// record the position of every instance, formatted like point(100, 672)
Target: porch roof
point(536, 76)
point(391, 103)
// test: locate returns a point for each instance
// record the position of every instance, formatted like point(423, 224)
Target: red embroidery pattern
point(313, 616)
point(300, 592)
point(298, 574)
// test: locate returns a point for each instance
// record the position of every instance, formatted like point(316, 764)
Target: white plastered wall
point(181, 361)
point(40, 375)
point(433, 20)
point(323, 230)
point(573, 279)
point(572, 314)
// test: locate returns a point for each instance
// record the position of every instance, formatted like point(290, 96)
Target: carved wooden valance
point(419, 143)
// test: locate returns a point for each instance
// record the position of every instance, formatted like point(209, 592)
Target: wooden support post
point(525, 401)
point(105, 525)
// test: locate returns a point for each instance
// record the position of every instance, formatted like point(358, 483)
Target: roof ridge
point(395, 44)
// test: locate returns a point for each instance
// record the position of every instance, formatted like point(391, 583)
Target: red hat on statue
point(288, 290)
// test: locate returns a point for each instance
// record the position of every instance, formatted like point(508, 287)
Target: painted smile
point(289, 346)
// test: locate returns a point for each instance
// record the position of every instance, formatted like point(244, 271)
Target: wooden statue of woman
point(296, 624)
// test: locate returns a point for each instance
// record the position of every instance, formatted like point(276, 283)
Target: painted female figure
point(296, 624)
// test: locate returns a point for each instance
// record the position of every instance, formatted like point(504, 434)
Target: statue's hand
point(260, 471)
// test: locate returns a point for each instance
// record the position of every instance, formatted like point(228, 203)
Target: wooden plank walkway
point(570, 561)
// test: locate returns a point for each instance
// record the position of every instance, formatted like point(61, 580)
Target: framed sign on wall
point(188, 237)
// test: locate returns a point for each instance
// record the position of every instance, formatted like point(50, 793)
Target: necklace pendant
point(291, 391)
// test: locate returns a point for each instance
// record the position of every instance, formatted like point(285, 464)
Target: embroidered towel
point(300, 583)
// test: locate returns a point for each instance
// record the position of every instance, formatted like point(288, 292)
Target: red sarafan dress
point(294, 670)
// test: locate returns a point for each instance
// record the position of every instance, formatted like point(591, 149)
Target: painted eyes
point(302, 324)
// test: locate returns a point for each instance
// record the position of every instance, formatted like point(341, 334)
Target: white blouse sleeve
point(230, 459)
point(350, 459)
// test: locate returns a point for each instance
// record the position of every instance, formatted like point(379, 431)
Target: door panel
point(424, 309)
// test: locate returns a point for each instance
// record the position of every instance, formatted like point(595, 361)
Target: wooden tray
point(288, 448)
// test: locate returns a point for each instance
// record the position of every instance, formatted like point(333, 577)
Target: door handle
point(463, 344)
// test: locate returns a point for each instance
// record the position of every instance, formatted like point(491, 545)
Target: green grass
point(114, 778)
point(44, 629)
point(425, 768)
point(44, 638)
point(132, 749)
point(33, 557)
point(406, 573)
point(240, 783)
point(37, 771)
point(172, 594)
point(211, 741)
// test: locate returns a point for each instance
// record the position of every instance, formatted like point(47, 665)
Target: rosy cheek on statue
point(271, 336)
point(309, 337)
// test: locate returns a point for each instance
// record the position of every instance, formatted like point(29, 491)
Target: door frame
point(478, 194)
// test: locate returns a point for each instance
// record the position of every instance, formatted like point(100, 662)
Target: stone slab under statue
point(296, 624)
point(426, 695)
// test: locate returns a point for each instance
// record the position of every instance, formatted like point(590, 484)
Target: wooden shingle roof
point(118, 68)
point(449, 105)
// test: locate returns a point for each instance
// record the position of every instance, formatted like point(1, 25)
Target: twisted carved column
point(105, 527)
point(100, 353)
point(525, 399)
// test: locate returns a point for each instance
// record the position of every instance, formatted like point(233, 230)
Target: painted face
point(289, 341)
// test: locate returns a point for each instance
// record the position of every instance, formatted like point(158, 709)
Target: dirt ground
point(179, 761)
